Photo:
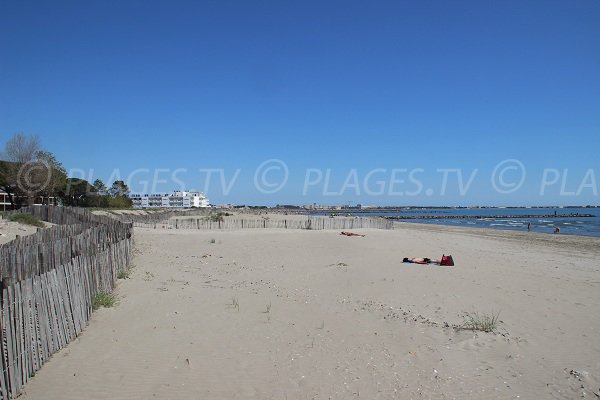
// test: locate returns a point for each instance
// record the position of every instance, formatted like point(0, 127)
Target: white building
point(177, 199)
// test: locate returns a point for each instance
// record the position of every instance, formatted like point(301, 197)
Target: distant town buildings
point(319, 207)
point(177, 199)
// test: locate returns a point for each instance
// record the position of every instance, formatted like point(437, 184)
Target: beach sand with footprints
point(296, 314)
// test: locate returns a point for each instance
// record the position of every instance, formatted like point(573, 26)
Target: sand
point(281, 314)
point(9, 230)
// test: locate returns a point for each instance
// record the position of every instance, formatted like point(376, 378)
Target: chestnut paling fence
point(231, 223)
point(49, 280)
point(205, 219)
point(155, 216)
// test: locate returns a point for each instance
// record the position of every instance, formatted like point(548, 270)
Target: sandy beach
point(295, 314)
point(9, 230)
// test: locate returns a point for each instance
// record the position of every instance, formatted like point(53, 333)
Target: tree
point(21, 148)
point(119, 202)
point(76, 192)
point(118, 189)
point(51, 173)
point(29, 171)
point(7, 183)
point(100, 187)
point(100, 195)
point(81, 193)
point(20, 173)
point(119, 192)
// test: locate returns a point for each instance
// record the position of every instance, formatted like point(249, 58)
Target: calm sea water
point(570, 226)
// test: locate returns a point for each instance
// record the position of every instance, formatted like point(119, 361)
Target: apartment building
point(177, 199)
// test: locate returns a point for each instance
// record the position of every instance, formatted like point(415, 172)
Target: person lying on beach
point(350, 234)
point(420, 260)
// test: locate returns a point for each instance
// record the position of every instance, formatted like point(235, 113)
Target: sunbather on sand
point(350, 234)
point(419, 260)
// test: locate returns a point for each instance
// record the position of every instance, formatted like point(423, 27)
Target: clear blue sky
point(344, 86)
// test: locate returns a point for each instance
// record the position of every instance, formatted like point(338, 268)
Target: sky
point(327, 102)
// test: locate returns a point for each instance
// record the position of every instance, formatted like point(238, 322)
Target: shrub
point(218, 217)
point(480, 322)
point(103, 299)
point(123, 274)
point(27, 219)
point(119, 202)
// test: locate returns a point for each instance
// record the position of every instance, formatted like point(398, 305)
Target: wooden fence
point(49, 281)
point(310, 223)
point(159, 216)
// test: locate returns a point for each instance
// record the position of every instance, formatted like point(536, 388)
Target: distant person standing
point(529, 227)
point(557, 230)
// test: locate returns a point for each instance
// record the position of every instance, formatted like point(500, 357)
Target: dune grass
point(27, 219)
point(234, 303)
point(480, 322)
point(103, 299)
point(123, 274)
point(218, 217)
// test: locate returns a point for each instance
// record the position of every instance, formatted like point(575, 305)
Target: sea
point(499, 218)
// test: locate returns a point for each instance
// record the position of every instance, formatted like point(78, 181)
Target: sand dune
point(9, 230)
point(275, 314)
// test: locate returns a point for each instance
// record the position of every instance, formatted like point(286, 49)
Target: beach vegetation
point(235, 303)
point(121, 202)
point(480, 322)
point(103, 299)
point(77, 193)
point(123, 274)
point(26, 219)
point(218, 217)
point(81, 193)
point(268, 312)
point(51, 174)
point(118, 189)
point(268, 309)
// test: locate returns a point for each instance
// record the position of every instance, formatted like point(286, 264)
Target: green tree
point(119, 202)
point(119, 192)
point(51, 174)
point(7, 183)
point(119, 188)
point(77, 192)
point(100, 187)
point(100, 197)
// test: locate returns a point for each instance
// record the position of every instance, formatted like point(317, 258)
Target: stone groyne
point(525, 216)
